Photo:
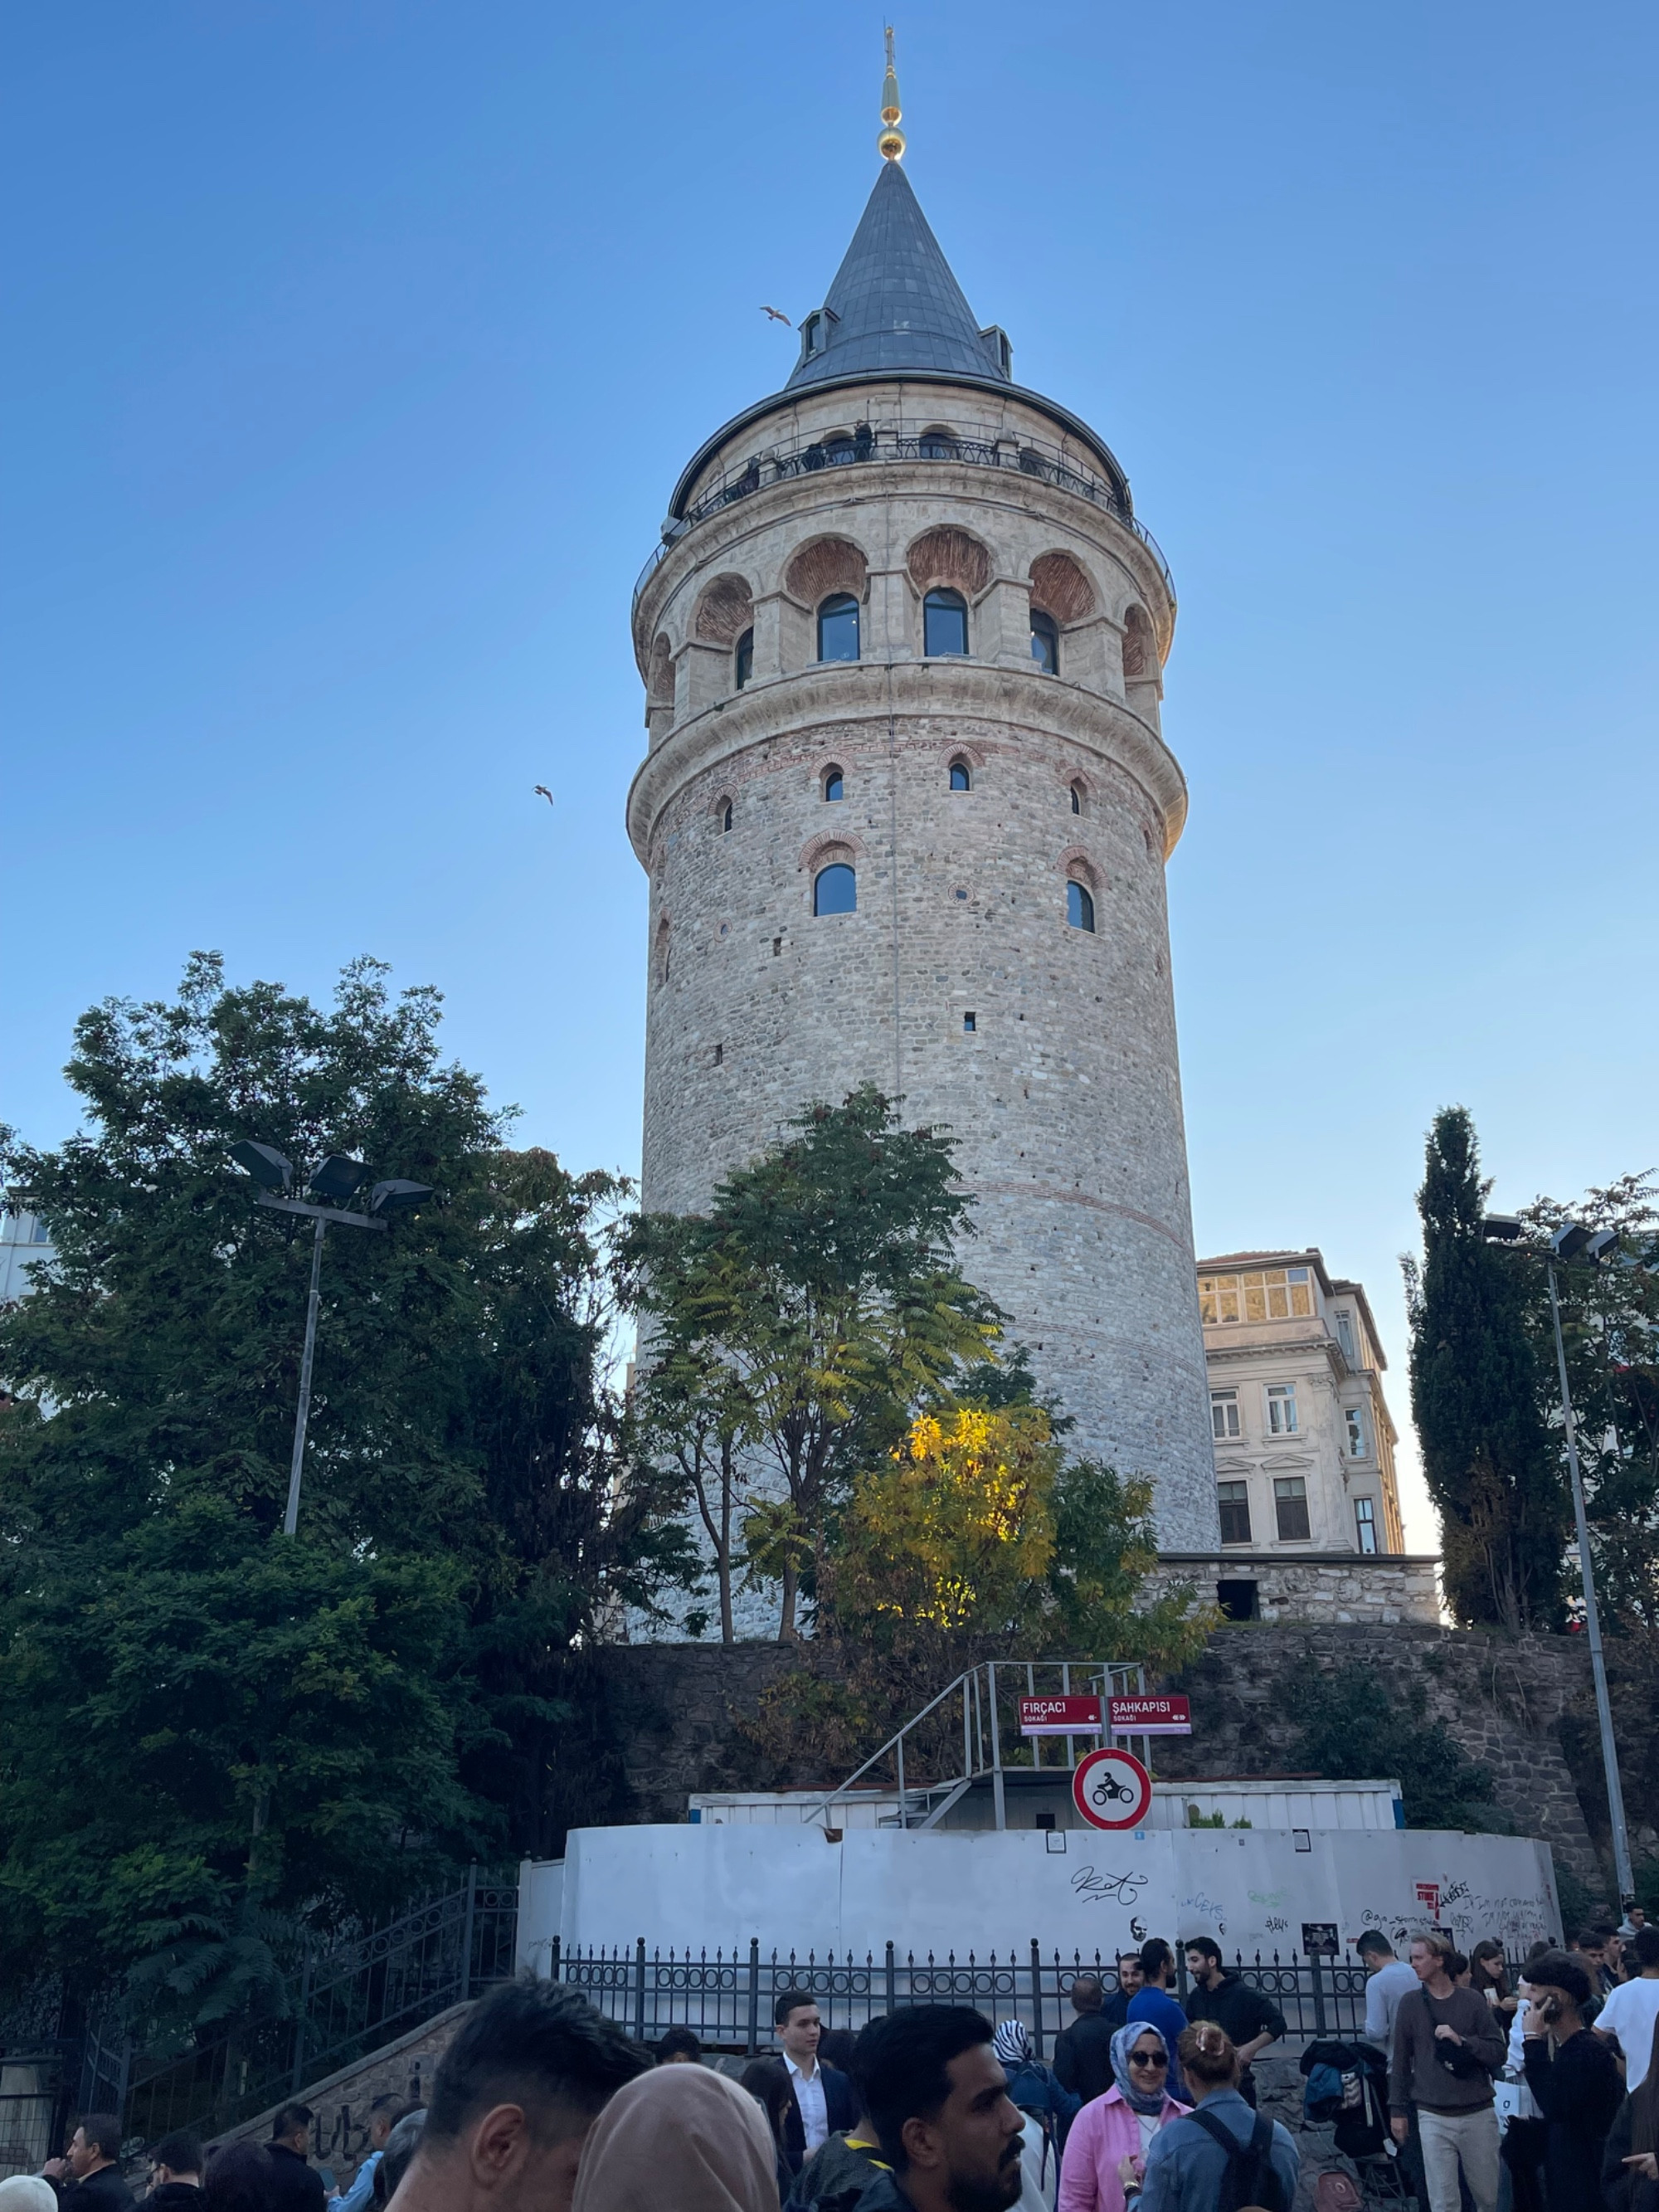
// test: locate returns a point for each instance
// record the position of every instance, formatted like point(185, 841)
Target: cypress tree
point(1487, 1456)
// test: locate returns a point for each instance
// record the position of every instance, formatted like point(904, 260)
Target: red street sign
point(1151, 1716)
point(1060, 1715)
point(1112, 1790)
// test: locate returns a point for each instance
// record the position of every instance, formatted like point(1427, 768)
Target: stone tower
point(905, 812)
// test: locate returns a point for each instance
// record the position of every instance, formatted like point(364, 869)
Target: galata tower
point(905, 811)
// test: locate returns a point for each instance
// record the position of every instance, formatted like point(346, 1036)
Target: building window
point(1344, 1338)
point(970, 1025)
point(1045, 643)
point(834, 889)
point(1353, 1421)
point(1281, 1409)
point(838, 628)
point(961, 779)
point(1239, 1600)
point(726, 816)
point(839, 450)
point(742, 661)
point(943, 624)
point(1224, 1414)
point(938, 445)
point(1233, 1500)
point(811, 336)
point(1077, 799)
point(1365, 1523)
point(833, 785)
point(1264, 1294)
point(1290, 1509)
point(1079, 906)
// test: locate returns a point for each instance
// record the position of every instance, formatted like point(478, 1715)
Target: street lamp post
point(337, 1179)
point(1571, 1242)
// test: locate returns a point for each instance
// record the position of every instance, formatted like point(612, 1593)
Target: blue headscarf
point(1138, 2100)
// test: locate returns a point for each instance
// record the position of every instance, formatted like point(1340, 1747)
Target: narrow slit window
point(726, 817)
point(838, 628)
point(1045, 643)
point(960, 778)
point(1079, 906)
point(970, 1025)
point(834, 889)
point(944, 625)
point(742, 661)
point(1077, 799)
point(833, 785)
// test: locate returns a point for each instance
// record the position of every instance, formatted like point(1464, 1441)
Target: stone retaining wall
point(1316, 1589)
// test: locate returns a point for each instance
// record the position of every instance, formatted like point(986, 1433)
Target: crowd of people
point(542, 2104)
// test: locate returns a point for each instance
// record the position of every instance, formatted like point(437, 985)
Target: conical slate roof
point(895, 302)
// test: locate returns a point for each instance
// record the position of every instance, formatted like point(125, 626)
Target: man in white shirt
point(1390, 1980)
point(823, 2098)
point(1630, 2010)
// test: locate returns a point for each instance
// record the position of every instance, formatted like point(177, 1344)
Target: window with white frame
point(1224, 1414)
point(1290, 1509)
point(1353, 1425)
point(1345, 1337)
point(1365, 1523)
point(1261, 1294)
point(1281, 1409)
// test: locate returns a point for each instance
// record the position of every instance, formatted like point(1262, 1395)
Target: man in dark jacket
point(88, 2177)
point(1573, 2079)
point(296, 2185)
point(1083, 2052)
point(1221, 1994)
point(176, 2174)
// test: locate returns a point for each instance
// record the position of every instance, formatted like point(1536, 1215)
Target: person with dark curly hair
point(1573, 2080)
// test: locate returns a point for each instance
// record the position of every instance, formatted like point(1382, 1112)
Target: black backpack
point(1249, 2179)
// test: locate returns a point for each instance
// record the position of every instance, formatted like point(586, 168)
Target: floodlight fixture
point(1604, 1245)
point(1502, 1229)
point(263, 1163)
point(1570, 1240)
point(337, 1177)
point(398, 1196)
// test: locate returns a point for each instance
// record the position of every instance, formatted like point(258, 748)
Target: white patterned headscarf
point(1012, 2044)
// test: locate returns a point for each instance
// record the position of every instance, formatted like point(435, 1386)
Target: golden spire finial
point(891, 144)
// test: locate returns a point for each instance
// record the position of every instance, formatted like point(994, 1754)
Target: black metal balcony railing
point(1024, 456)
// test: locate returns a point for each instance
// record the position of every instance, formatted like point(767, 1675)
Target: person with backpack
point(1221, 2156)
point(1033, 2087)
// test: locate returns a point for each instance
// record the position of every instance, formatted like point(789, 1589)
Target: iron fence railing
point(347, 1999)
point(33, 2109)
point(726, 1999)
point(1025, 456)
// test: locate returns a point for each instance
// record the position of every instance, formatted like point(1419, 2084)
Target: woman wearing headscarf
point(1049, 2108)
point(681, 2139)
point(1111, 2136)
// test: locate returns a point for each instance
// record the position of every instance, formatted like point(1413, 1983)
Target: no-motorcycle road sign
point(1112, 1790)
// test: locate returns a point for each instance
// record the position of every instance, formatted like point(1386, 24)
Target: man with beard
point(938, 2099)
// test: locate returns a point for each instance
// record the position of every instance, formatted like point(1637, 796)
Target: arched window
point(834, 889)
point(833, 785)
point(936, 445)
point(1045, 643)
point(1077, 799)
point(742, 659)
point(726, 816)
point(839, 449)
point(838, 628)
point(943, 624)
point(961, 776)
point(1079, 906)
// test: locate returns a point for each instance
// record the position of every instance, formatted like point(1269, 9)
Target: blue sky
point(354, 349)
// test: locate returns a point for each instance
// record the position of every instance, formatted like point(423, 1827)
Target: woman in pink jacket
point(1109, 2136)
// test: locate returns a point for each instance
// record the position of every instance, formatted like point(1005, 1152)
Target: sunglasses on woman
point(1155, 2059)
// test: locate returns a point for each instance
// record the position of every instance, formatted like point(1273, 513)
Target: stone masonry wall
point(1523, 1708)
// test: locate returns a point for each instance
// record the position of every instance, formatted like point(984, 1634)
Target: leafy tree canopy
point(202, 1722)
point(1358, 1728)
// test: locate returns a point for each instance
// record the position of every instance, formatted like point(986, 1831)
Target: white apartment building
point(1304, 1443)
point(23, 1244)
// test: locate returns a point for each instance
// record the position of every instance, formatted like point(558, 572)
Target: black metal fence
point(348, 1999)
point(726, 1999)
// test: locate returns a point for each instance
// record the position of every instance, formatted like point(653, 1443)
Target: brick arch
point(1075, 861)
point(659, 680)
point(827, 565)
point(833, 845)
point(951, 557)
point(974, 755)
point(1140, 648)
point(1060, 588)
point(726, 610)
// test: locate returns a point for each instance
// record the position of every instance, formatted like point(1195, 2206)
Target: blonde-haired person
point(1189, 2160)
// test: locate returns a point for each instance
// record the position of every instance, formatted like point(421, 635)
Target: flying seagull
point(778, 316)
point(543, 789)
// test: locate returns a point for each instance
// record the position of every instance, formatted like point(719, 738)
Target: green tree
point(207, 1729)
point(790, 1331)
point(1487, 1458)
point(1610, 1327)
point(1357, 1728)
